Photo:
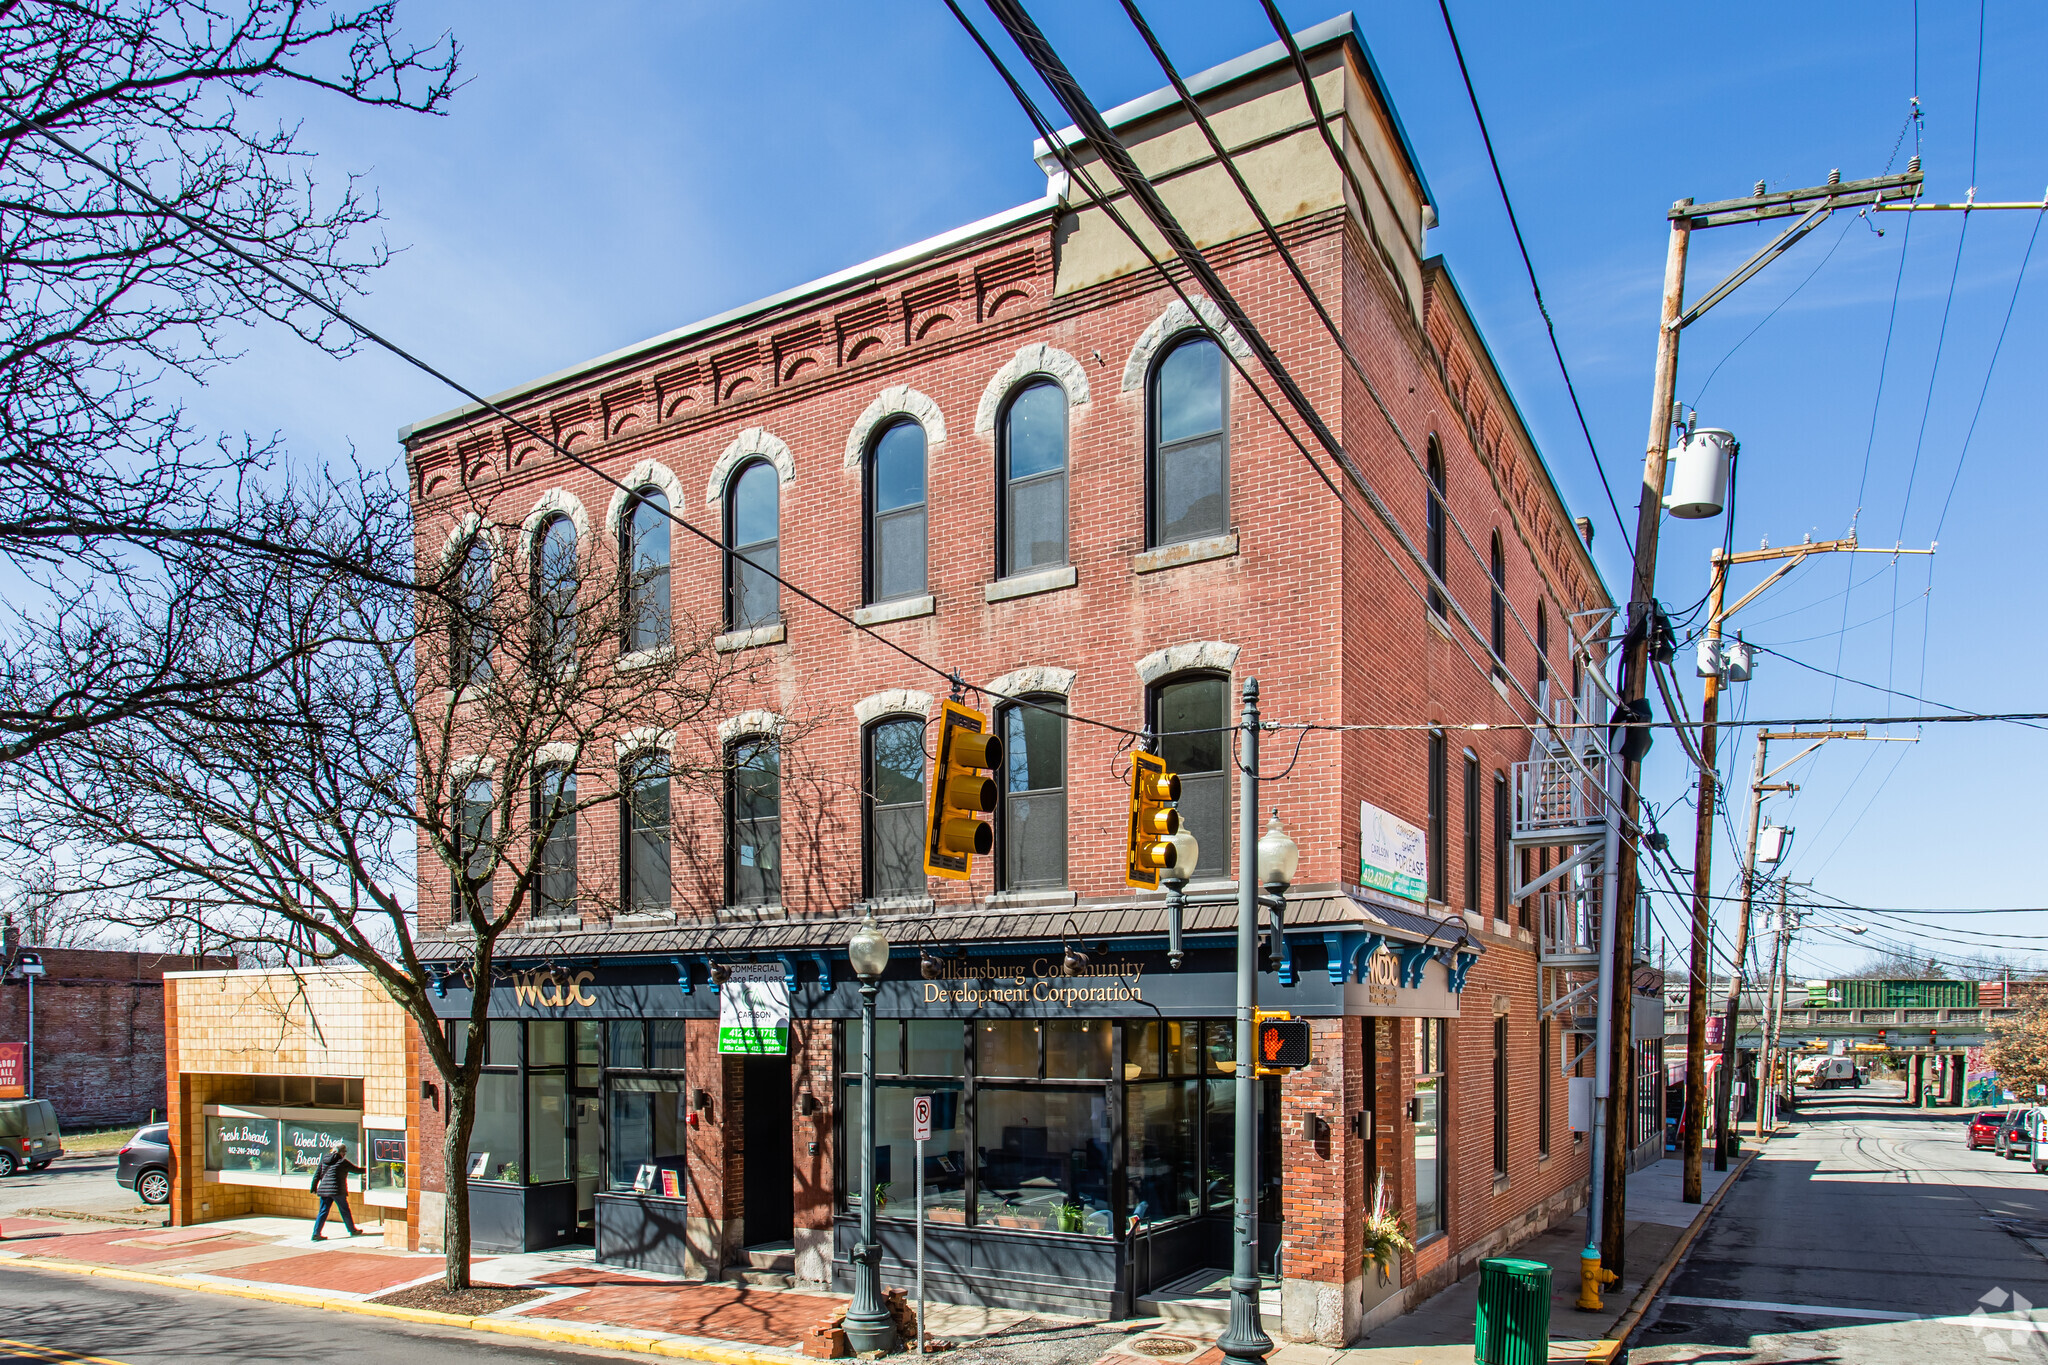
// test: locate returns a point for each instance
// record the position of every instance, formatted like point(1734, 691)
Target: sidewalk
point(564, 1296)
point(1440, 1330)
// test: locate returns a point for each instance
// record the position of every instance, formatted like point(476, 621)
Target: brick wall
point(99, 1054)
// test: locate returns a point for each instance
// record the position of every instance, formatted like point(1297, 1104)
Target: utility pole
point(1812, 207)
point(1695, 1131)
point(1774, 995)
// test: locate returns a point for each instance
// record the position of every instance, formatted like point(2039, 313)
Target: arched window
point(1542, 642)
point(754, 830)
point(1435, 526)
point(1497, 569)
point(554, 819)
point(1189, 473)
point(753, 509)
point(470, 840)
point(643, 549)
point(553, 559)
point(1188, 714)
point(644, 780)
point(895, 802)
point(1033, 522)
point(1031, 830)
point(472, 635)
point(896, 514)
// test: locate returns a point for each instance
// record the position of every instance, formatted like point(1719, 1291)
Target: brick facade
point(99, 1031)
point(1306, 594)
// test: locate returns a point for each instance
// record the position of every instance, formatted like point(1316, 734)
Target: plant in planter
point(1384, 1235)
point(882, 1194)
point(1071, 1217)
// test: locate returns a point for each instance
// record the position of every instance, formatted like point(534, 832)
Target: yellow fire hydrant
point(1591, 1276)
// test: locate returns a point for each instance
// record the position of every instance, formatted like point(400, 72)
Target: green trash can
point(1513, 1327)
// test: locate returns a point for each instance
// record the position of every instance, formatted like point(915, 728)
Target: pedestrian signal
point(1282, 1044)
point(963, 794)
point(1149, 849)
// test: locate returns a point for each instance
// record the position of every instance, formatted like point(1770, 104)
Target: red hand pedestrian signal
point(1283, 1044)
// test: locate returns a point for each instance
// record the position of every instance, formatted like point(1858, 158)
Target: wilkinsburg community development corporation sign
point(753, 1011)
point(1393, 855)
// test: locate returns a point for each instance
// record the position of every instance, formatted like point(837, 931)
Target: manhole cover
point(1162, 1346)
point(1667, 1326)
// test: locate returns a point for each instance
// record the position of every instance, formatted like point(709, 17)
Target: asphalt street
point(54, 1317)
point(81, 1183)
point(1868, 1235)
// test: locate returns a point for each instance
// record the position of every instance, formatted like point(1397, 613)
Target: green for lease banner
point(753, 1011)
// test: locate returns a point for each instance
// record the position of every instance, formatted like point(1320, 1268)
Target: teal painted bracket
point(788, 971)
point(1351, 953)
point(1414, 957)
point(683, 975)
point(824, 970)
point(1459, 968)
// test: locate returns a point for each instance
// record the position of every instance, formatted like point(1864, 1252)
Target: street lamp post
point(868, 1325)
point(1187, 851)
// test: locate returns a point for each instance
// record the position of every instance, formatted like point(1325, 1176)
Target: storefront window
point(629, 1043)
point(494, 1138)
point(384, 1149)
point(1077, 1049)
point(648, 1125)
point(1162, 1173)
point(547, 1127)
point(1219, 1144)
point(1183, 1049)
point(547, 1044)
point(241, 1144)
point(587, 1039)
point(666, 1045)
point(504, 1043)
point(1141, 1051)
point(1007, 1047)
point(1044, 1159)
point(945, 1155)
point(1219, 1045)
point(305, 1141)
point(1430, 1150)
point(938, 1047)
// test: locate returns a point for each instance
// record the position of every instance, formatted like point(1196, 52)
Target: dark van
point(28, 1135)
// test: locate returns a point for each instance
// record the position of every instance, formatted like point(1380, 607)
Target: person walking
point(330, 1182)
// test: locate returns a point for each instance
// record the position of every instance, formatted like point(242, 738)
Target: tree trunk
point(455, 1177)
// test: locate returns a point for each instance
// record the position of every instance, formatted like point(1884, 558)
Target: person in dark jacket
point(330, 1182)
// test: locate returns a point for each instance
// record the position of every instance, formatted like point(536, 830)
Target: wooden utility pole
point(1635, 673)
point(1694, 1132)
point(1774, 997)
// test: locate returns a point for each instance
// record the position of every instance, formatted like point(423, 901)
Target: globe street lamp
point(1244, 1341)
point(1187, 851)
point(868, 1325)
point(1279, 856)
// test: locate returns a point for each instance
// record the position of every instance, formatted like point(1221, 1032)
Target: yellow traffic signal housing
point(1149, 849)
point(963, 794)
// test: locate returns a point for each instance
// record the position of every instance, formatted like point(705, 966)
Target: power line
point(1549, 327)
point(2010, 305)
point(1856, 682)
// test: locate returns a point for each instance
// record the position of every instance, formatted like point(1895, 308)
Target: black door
point(770, 1170)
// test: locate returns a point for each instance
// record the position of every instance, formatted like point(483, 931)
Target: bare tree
point(465, 728)
point(106, 293)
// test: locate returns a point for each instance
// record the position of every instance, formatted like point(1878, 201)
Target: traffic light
point(1149, 846)
point(963, 794)
point(1281, 1042)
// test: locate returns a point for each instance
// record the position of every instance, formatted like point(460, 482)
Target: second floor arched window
point(644, 553)
point(895, 496)
point(1434, 527)
point(1542, 642)
point(895, 807)
point(554, 818)
point(1188, 714)
point(1032, 528)
point(1031, 826)
point(1189, 474)
point(473, 631)
point(753, 511)
point(645, 830)
point(754, 823)
point(554, 586)
point(1497, 572)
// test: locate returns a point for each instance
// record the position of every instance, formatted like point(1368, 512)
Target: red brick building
point(95, 1044)
point(1014, 451)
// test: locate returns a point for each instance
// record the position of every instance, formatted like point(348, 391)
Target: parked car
point(28, 1136)
point(145, 1164)
point(1984, 1127)
point(2015, 1141)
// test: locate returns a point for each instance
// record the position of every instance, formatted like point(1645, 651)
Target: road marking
point(1979, 1319)
point(56, 1354)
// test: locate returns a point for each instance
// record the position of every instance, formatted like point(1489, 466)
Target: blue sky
point(613, 171)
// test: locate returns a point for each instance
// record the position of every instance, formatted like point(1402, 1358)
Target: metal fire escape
point(1561, 817)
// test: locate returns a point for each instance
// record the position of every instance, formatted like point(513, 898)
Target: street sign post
point(921, 1129)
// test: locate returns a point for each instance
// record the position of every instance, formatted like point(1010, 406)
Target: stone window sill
point(902, 609)
point(1500, 1184)
point(635, 918)
point(1500, 685)
point(1437, 624)
point(1046, 897)
point(1186, 552)
point(556, 925)
point(645, 658)
point(755, 638)
point(1031, 584)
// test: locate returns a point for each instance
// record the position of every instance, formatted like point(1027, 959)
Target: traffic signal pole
point(1244, 1340)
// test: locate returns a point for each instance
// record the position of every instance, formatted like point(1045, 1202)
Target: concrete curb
point(536, 1330)
point(1625, 1325)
